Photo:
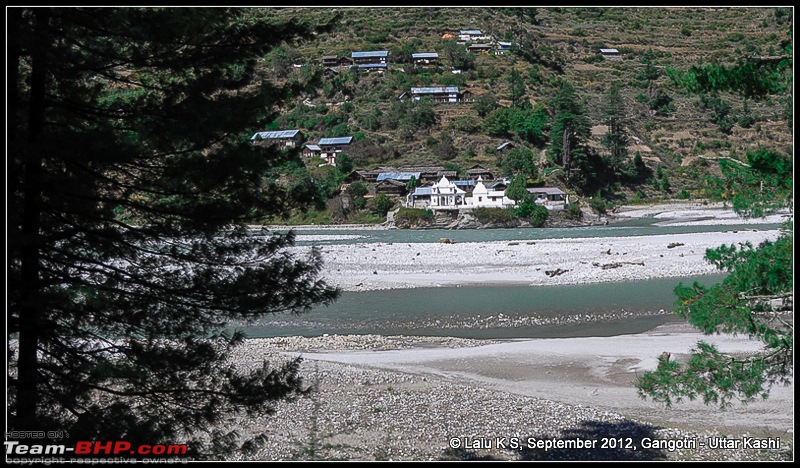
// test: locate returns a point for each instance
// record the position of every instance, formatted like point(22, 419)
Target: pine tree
point(517, 87)
point(517, 189)
point(615, 138)
point(569, 133)
point(131, 178)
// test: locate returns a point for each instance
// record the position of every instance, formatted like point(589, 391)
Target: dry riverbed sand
point(428, 398)
point(439, 398)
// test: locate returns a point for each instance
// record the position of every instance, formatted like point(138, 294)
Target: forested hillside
point(613, 130)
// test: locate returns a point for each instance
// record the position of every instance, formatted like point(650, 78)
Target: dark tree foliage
point(458, 56)
point(520, 161)
point(130, 179)
point(755, 189)
point(526, 121)
point(525, 14)
point(752, 77)
point(569, 135)
point(517, 87)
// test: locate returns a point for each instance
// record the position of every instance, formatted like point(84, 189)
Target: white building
point(482, 197)
point(445, 195)
point(473, 35)
point(550, 197)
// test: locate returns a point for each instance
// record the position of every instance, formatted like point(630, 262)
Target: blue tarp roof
point(398, 175)
point(374, 53)
point(336, 141)
point(275, 134)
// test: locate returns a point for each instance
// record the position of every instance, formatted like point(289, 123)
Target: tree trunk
point(30, 310)
point(566, 153)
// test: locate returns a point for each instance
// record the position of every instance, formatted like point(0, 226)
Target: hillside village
point(446, 123)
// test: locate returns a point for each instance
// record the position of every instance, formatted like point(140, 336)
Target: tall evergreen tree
point(570, 131)
point(649, 72)
point(130, 179)
point(615, 139)
point(517, 87)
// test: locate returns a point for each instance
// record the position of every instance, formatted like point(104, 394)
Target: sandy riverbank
point(361, 267)
point(693, 214)
point(405, 398)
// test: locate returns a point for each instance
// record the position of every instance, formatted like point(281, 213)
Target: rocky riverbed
point(374, 412)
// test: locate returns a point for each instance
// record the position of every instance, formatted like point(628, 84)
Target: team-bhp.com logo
point(117, 447)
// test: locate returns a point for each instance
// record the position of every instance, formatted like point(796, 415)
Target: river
point(493, 311)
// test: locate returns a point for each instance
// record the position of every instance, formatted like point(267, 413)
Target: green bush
point(382, 204)
point(494, 215)
point(413, 216)
point(574, 212)
point(533, 213)
point(599, 204)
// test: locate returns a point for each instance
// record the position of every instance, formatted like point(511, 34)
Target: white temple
point(445, 195)
point(482, 197)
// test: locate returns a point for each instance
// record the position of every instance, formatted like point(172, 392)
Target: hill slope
point(677, 136)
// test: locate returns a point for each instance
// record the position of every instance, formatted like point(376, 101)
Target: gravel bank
point(363, 412)
point(362, 267)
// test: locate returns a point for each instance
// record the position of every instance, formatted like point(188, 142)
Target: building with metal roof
point(425, 59)
point(437, 93)
point(610, 54)
point(277, 134)
point(374, 56)
point(291, 138)
point(373, 66)
point(374, 53)
point(403, 176)
point(552, 198)
point(335, 141)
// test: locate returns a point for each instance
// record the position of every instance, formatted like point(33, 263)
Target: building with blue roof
point(425, 59)
point(373, 66)
point(330, 147)
point(401, 176)
point(291, 138)
point(370, 57)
